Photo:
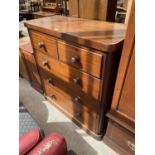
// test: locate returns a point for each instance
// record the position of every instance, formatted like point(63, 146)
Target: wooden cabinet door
point(93, 9)
point(126, 104)
point(120, 134)
point(98, 9)
point(123, 102)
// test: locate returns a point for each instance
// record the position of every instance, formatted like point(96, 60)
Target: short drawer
point(81, 58)
point(44, 43)
point(64, 102)
point(76, 80)
point(46, 63)
point(121, 136)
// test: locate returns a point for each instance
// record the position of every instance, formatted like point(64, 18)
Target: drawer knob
point(76, 80)
point(45, 62)
point(41, 44)
point(53, 97)
point(50, 80)
point(131, 145)
point(78, 114)
point(77, 99)
point(75, 59)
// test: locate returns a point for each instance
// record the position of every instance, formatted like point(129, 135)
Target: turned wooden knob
point(41, 44)
point(45, 62)
point(77, 99)
point(50, 80)
point(76, 80)
point(75, 59)
point(78, 114)
point(53, 97)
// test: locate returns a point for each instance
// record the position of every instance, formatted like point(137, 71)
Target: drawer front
point(77, 80)
point(80, 58)
point(44, 43)
point(78, 97)
point(46, 63)
point(121, 137)
point(64, 101)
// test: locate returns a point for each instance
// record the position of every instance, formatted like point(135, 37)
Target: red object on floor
point(53, 144)
point(29, 140)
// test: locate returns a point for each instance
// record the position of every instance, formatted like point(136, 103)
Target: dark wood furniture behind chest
point(27, 54)
point(77, 61)
point(93, 9)
point(120, 133)
point(52, 5)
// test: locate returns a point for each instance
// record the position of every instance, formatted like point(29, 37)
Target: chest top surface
point(100, 35)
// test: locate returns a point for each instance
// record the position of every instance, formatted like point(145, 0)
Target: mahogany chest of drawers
point(77, 61)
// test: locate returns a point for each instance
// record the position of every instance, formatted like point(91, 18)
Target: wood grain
point(66, 75)
point(30, 63)
point(22, 68)
point(73, 8)
point(97, 9)
point(87, 101)
point(127, 99)
point(121, 137)
point(88, 61)
point(49, 43)
point(120, 132)
point(97, 45)
point(64, 101)
point(128, 49)
point(100, 35)
point(129, 5)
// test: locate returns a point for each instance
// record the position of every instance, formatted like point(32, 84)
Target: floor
point(50, 119)
point(26, 121)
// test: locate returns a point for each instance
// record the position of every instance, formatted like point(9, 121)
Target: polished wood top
point(100, 35)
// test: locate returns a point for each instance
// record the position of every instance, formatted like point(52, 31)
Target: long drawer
point(81, 58)
point(44, 43)
point(121, 136)
point(77, 80)
point(78, 97)
point(64, 101)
